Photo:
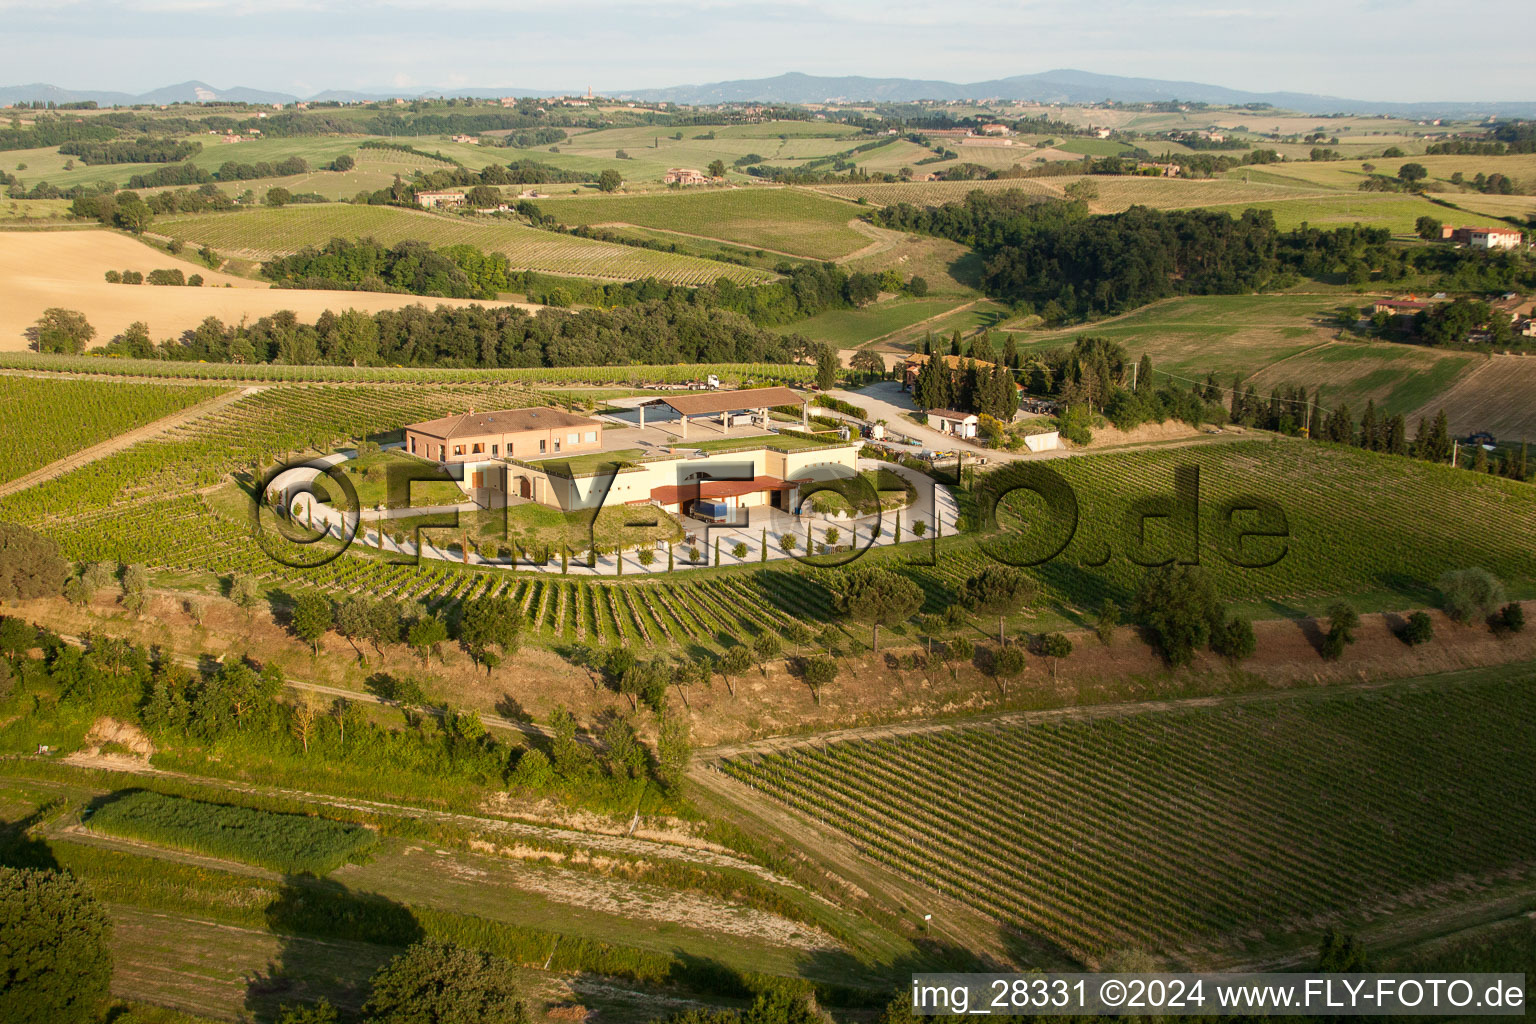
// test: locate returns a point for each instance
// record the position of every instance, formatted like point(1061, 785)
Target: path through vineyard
point(75, 460)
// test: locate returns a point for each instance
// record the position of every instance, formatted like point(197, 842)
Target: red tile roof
point(710, 489)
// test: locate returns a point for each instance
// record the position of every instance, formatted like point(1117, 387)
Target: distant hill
point(1061, 86)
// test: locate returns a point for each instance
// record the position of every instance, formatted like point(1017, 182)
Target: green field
point(1270, 340)
point(264, 233)
point(47, 420)
point(850, 328)
point(290, 843)
point(790, 221)
point(1200, 834)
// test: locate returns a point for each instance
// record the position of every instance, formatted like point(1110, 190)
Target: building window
point(458, 449)
point(413, 446)
point(557, 444)
point(573, 438)
point(478, 448)
point(495, 448)
point(591, 437)
point(541, 448)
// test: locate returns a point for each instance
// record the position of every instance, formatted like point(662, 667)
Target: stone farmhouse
point(439, 200)
point(685, 176)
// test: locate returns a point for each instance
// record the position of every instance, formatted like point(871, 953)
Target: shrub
point(1469, 594)
point(1509, 619)
point(55, 959)
point(1234, 639)
point(1419, 629)
point(289, 843)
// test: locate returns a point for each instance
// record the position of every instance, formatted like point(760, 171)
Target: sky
point(1405, 50)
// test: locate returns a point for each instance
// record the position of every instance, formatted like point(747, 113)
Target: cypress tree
point(1370, 432)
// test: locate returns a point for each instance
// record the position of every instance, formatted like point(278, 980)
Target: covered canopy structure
point(753, 401)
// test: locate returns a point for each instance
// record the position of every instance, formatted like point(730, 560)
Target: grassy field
point(46, 420)
point(1269, 340)
point(264, 233)
point(1199, 834)
point(789, 221)
point(42, 269)
point(651, 150)
point(850, 328)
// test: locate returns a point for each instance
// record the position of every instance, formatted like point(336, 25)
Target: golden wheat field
point(39, 269)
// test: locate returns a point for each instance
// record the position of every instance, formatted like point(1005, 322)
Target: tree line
point(477, 336)
point(229, 170)
point(1052, 257)
point(457, 271)
point(144, 150)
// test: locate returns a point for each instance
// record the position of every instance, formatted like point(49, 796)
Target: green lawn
point(573, 465)
point(369, 474)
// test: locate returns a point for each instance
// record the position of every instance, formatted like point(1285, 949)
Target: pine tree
point(1395, 441)
point(1212, 392)
point(1237, 399)
point(954, 344)
point(1010, 353)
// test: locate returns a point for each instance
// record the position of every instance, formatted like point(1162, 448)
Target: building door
point(477, 479)
point(524, 487)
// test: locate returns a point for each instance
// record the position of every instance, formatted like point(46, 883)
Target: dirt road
point(85, 456)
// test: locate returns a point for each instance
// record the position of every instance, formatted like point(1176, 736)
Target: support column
point(685, 426)
point(805, 416)
point(642, 416)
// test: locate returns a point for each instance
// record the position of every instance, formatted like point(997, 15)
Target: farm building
point(913, 365)
point(1483, 238)
point(732, 408)
point(685, 176)
point(556, 458)
point(948, 421)
point(475, 438)
point(1399, 307)
point(468, 139)
point(985, 140)
point(439, 200)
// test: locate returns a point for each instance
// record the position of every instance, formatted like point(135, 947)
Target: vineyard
point(166, 502)
point(149, 504)
point(677, 373)
point(265, 233)
point(46, 420)
point(1114, 193)
point(784, 220)
point(1196, 833)
point(1338, 502)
